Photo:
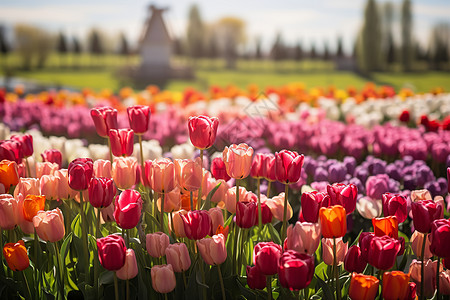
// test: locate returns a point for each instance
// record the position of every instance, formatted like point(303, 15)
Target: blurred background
point(180, 44)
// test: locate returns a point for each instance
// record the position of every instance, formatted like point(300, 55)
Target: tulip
point(238, 160)
point(216, 215)
point(424, 213)
point(246, 213)
point(448, 180)
point(353, 261)
point(11, 150)
point(101, 192)
point(377, 185)
point(386, 226)
point(383, 252)
point(197, 224)
point(16, 256)
point(156, 244)
point(255, 279)
point(128, 209)
point(9, 211)
point(49, 225)
point(333, 221)
point(111, 252)
point(418, 195)
point(444, 282)
point(220, 194)
point(130, 268)
point(276, 205)
point(257, 165)
point(266, 213)
point(395, 205)
point(369, 208)
point(26, 142)
point(311, 202)
point(327, 251)
point(49, 186)
point(105, 118)
point(268, 168)
point(202, 131)
point(363, 287)
point(9, 175)
point(52, 156)
point(63, 190)
point(31, 205)
point(395, 285)
point(266, 257)
point(163, 278)
point(219, 170)
point(108, 213)
point(303, 237)
point(102, 168)
point(230, 198)
point(288, 166)
point(213, 249)
point(45, 168)
point(416, 245)
point(440, 237)
point(189, 173)
point(124, 172)
point(27, 186)
point(121, 141)
point(342, 194)
point(139, 117)
point(295, 270)
point(161, 174)
point(172, 201)
point(178, 224)
point(177, 255)
point(80, 173)
point(430, 267)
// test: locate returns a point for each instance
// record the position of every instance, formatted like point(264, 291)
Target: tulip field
point(286, 193)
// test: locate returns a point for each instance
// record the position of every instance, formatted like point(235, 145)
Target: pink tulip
point(9, 212)
point(276, 205)
point(52, 156)
point(161, 174)
point(303, 237)
point(216, 215)
point(130, 268)
point(444, 282)
point(221, 192)
point(128, 209)
point(177, 255)
point(139, 117)
point(230, 198)
point(49, 186)
point(238, 160)
point(105, 118)
point(27, 186)
point(156, 244)
point(172, 201)
point(213, 249)
point(63, 190)
point(178, 223)
point(102, 168)
point(45, 168)
point(163, 278)
point(430, 276)
point(50, 225)
point(369, 208)
point(268, 168)
point(124, 172)
point(417, 243)
point(288, 166)
point(418, 195)
point(189, 173)
point(122, 141)
point(202, 131)
point(108, 213)
point(257, 170)
point(327, 251)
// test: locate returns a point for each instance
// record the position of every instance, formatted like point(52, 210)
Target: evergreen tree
point(312, 53)
point(369, 54)
point(278, 49)
point(62, 44)
point(340, 48)
point(407, 42)
point(195, 33)
point(95, 43)
point(258, 53)
point(124, 48)
point(298, 53)
point(326, 52)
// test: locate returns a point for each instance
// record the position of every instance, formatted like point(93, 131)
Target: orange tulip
point(395, 285)
point(363, 287)
point(8, 173)
point(386, 226)
point(188, 173)
point(186, 200)
point(16, 256)
point(31, 205)
point(333, 221)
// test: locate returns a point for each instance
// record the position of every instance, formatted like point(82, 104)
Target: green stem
point(269, 287)
point(116, 286)
point(336, 271)
point(258, 184)
point(184, 279)
point(422, 269)
point(161, 224)
point(84, 236)
point(202, 272)
point(142, 154)
point(96, 261)
point(236, 235)
point(172, 232)
point(437, 278)
point(60, 269)
point(128, 289)
point(199, 198)
point(36, 245)
point(26, 285)
point(284, 228)
point(28, 167)
point(155, 208)
point(192, 200)
point(221, 283)
point(269, 186)
point(110, 151)
point(1, 256)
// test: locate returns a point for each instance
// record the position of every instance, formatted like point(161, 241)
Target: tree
point(76, 49)
point(440, 45)
point(278, 51)
point(61, 46)
point(195, 33)
point(230, 35)
point(178, 46)
point(4, 47)
point(124, 48)
point(32, 42)
point(407, 42)
point(258, 52)
point(388, 39)
point(340, 48)
point(326, 52)
point(298, 52)
point(95, 42)
point(369, 52)
point(312, 53)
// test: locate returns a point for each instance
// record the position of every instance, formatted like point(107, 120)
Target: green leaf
point(320, 271)
point(65, 247)
point(152, 219)
point(274, 234)
point(327, 293)
point(207, 203)
point(76, 225)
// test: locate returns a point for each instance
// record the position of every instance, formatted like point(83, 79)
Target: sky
point(305, 21)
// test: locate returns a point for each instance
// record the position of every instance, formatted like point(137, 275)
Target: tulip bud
point(156, 244)
point(197, 224)
point(288, 166)
point(49, 225)
point(213, 249)
point(111, 252)
point(80, 173)
point(295, 270)
point(246, 213)
point(139, 117)
point(238, 160)
point(202, 131)
point(363, 287)
point(163, 278)
point(266, 256)
point(128, 207)
point(216, 215)
point(122, 141)
point(177, 255)
point(130, 268)
point(101, 192)
point(16, 256)
point(105, 118)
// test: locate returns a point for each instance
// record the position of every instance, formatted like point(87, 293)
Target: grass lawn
point(419, 82)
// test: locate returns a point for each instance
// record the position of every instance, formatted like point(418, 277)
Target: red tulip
point(101, 192)
point(448, 180)
point(52, 156)
point(105, 118)
point(128, 209)
point(268, 167)
point(111, 252)
point(440, 237)
point(266, 213)
point(343, 194)
point(26, 142)
point(266, 257)
point(383, 252)
point(424, 213)
point(257, 165)
point(246, 213)
point(288, 166)
point(80, 173)
point(219, 170)
point(139, 117)
point(395, 205)
point(255, 279)
point(122, 141)
point(11, 150)
point(295, 270)
point(365, 238)
point(197, 224)
point(353, 261)
point(311, 202)
point(404, 116)
point(202, 131)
